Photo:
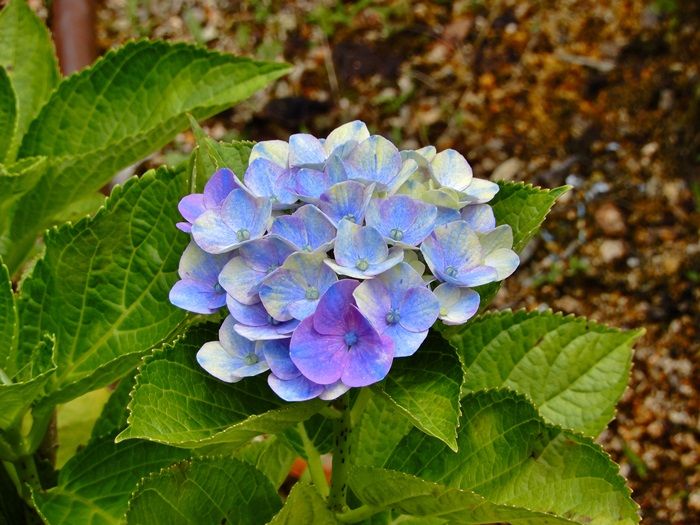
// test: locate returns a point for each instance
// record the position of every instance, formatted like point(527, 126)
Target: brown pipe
point(73, 27)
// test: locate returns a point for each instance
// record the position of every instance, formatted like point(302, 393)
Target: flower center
point(251, 359)
point(351, 217)
point(362, 265)
point(396, 234)
point(393, 316)
point(350, 338)
point(242, 235)
point(312, 293)
point(308, 248)
point(451, 271)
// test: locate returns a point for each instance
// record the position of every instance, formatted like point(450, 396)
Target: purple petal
point(321, 358)
point(266, 179)
point(266, 254)
point(370, 358)
point(184, 227)
point(191, 206)
point(332, 306)
point(307, 229)
point(247, 216)
point(402, 219)
point(296, 389)
point(196, 296)
point(218, 187)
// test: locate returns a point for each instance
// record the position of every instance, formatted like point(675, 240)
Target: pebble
point(508, 170)
point(610, 219)
point(612, 250)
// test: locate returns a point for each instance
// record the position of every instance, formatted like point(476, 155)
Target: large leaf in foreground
point(95, 485)
point(102, 285)
point(572, 369)
point(178, 403)
point(27, 53)
point(304, 506)
point(427, 387)
point(132, 101)
point(510, 456)
point(204, 490)
point(411, 496)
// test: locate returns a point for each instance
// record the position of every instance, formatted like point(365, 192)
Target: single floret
point(458, 255)
point(457, 305)
point(346, 200)
point(232, 357)
point(402, 220)
point(362, 252)
point(399, 306)
point(338, 343)
point(293, 290)
point(242, 276)
point(216, 190)
point(198, 289)
point(374, 160)
point(264, 178)
point(241, 218)
point(307, 229)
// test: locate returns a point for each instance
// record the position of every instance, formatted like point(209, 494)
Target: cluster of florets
point(319, 254)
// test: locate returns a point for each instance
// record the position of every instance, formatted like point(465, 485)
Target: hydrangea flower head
point(334, 256)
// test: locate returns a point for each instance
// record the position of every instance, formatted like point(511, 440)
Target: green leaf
point(147, 87)
point(413, 496)
point(15, 181)
point(510, 456)
point(378, 432)
point(304, 506)
point(8, 114)
point(74, 422)
point(204, 490)
point(103, 283)
point(8, 319)
point(178, 403)
point(572, 369)
point(524, 207)
point(22, 386)
point(271, 456)
point(12, 506)
point(95, 485)
point(427, 386)
point(26, 52)
point(114, 413)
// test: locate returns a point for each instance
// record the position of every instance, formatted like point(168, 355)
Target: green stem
point(358, 514)
point(28, 476)
point(359, 406)
point(318, 475)
point(341, 457)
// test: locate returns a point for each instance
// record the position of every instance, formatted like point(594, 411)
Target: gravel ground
point(602, 95)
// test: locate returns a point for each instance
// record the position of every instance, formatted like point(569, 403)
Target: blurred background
point(603, 95)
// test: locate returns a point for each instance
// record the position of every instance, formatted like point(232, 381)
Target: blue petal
point(266, 254)
point(402, 219)
point(199, 265)
point(254, 323)
point(241, 281)
point(246, 215)
point(306, 151)
point(346, 200)
point(214, 359)
point(221, 184)
point(309, 183)
point(266, 179)
point(276, 151)
point(479, 217)
point(445, 215)
point(419, 309)
point(457, 305)
point(332, 307)
point(277, 356)
point(212, 234)
point(296, 389)
point(450, 169)
point(333, 391)
point(248, 314)
point(504, 261)
point(405, 342)
point(357, 246)
point(269, 332)
point(451, 250)
point(196, 296)
point(191, 206)
point(374, 160)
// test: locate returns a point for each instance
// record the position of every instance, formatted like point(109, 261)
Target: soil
point(602, 95)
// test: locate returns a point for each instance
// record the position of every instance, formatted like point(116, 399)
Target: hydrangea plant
point(314, 299)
